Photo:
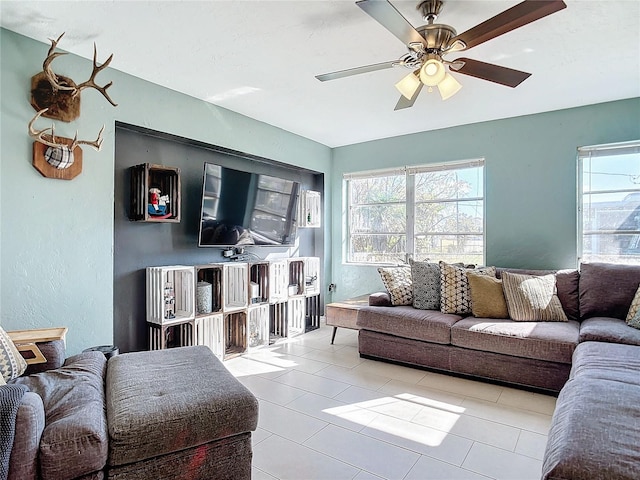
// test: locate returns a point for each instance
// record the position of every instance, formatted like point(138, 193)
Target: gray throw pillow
point(426, 285)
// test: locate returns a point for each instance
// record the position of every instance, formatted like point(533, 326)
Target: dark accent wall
point(138, 245)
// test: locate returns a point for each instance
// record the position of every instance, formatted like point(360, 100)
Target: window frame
point(410, 173)
point(587, 153)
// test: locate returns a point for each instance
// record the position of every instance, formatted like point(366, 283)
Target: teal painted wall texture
point(530, 174)
point(57, 236)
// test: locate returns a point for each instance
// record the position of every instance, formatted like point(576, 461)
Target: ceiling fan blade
point(515, 17)
point(403, 102)
point(489, 71)
point(355, 71)
point(391, 19)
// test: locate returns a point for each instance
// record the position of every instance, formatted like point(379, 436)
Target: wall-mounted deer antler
point(59, 94)
point(47, 136)
point(58, 157)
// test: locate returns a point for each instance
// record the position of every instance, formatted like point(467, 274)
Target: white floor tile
point(486, 431)
point(420, 439)
point(431, 469)
point(502, 465)
point(366, 453)
point(257, 474)
point(312, 383)
point(344, 359)
point(535, 402)
point(515, 417)
point(531, 444)
point(424, 395)
point(367, 476)
point(332, 411)
point(353, 376)
point(259, 435)
point(380, 403)
point(285, 460)
point(462, 386)
point(391, 371)
point(269, 390)
point(287, 423)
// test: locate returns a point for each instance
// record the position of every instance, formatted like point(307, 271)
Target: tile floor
point(326, 413)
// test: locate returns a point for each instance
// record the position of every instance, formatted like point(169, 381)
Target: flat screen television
point(243, 208)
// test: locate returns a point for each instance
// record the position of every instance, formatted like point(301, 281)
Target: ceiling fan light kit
point(427, 45)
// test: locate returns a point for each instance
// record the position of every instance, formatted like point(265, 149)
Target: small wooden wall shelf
point(146, 176)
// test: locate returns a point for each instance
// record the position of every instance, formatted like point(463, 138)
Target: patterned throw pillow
point(455, 295)
point(532, 298)
point(397, 281)
point(426, 285)
point(633, 317)
point(12, 365)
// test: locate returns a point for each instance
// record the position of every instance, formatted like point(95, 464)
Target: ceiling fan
point(429, 43)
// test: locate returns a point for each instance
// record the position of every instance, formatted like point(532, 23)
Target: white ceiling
point(259, 58)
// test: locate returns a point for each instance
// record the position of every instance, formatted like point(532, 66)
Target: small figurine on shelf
point(169, 301)
point(158, 203)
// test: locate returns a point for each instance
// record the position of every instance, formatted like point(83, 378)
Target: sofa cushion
point(551, 341)
point(607, 290)
point(594, 431)
point(455, 295)
point(74, 441)
point(607, 329)
point(567, 285)
point(532, 298)
point(408, 322)
point(30, 425)
point(164, 401)
point(397, 281)
point(487, 296)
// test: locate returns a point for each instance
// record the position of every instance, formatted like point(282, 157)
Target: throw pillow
point(12, 365)
point(635, 306)
point(397, 281)
point(455, 296)
point(532, 298)
point(635, 320)
point(487, 297)
point(426, 285)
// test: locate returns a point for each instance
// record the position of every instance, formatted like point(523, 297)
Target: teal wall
point(530, 173)
point(56, 248)
point(56, 239)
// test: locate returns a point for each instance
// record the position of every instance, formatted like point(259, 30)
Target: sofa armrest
point(380, 299)
point(54, 352)
point(23, 463)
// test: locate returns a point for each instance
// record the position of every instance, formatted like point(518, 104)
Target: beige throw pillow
point(397, 281)
point(487, 297)
point(633, 317)
point(455, 296)
point(532, 298)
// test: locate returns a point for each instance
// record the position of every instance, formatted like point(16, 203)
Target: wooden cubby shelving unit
point(251, 304)
point(146, 176)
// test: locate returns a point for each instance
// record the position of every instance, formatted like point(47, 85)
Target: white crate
point(295, 316)
point(235, 286)
point(310, 209)
point(296, 276)
point(278, 281)
point(258, 326)
point(170, 294)
point(209, 331)
point(311, 276)
point(235, 333)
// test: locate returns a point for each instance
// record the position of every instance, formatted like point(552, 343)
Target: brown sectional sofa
point(593, 361)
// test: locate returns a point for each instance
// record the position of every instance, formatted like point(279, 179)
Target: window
point(609, 203)
point(430, 211)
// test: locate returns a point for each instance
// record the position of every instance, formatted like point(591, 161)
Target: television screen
point(244, 208)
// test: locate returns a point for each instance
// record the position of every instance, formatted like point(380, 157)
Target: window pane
point(449, 184)
point(463, 217)
point(378, 190)
point(378, 248)
point(450, 248)
point(379, 219)
point(611, 208)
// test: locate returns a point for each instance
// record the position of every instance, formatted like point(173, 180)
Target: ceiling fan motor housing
point(437, 36)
